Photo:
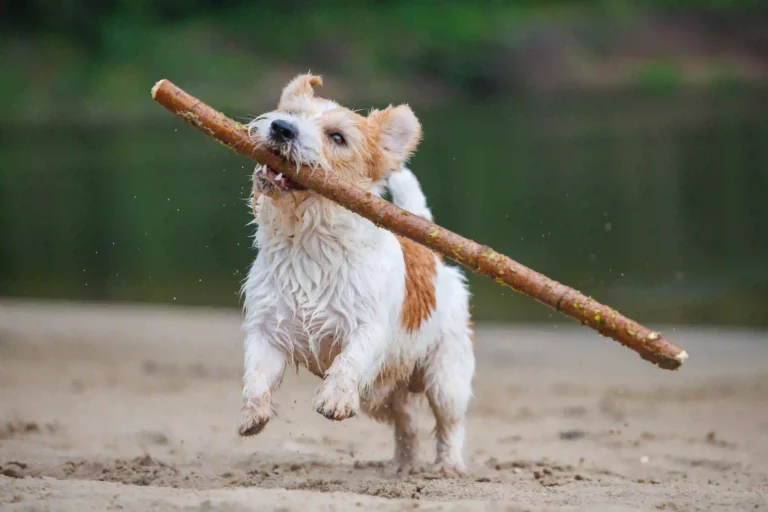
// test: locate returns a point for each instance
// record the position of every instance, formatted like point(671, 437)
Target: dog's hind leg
point(406, 436)
point(397, 409)
point(448, 378)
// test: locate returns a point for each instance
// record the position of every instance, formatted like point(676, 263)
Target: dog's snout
point(283, 131)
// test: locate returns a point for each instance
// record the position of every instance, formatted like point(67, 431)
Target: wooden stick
point(480, 259)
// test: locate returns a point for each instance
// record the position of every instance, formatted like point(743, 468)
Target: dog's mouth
point(270, 177)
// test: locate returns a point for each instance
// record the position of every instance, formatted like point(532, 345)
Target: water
point(653, 203)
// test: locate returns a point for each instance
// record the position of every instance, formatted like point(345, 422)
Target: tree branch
point(480, 259)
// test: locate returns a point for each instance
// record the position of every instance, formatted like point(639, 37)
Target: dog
point(378, 317)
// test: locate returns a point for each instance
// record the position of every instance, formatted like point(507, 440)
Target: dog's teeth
point(279, 177)
point(258, 169)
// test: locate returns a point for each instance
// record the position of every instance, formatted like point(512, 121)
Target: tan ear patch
point(302, 85)
point(420, 295)
point(400, 131)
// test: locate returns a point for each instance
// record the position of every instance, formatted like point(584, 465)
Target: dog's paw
point(449, 469)
point(254, 416)
point(405, 461)
point(337, 402)
point(406, 468)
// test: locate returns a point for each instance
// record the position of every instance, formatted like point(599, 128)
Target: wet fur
point(378, 317)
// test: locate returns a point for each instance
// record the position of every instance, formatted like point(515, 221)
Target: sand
point(135, 408)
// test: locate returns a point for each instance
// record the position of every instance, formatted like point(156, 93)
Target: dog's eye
point(337, 138)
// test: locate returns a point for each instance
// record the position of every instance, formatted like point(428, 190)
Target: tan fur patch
point(370, 148)
point(302, 85)
point(420, 271)
point(360, 160)
point(400, 130)
point(327, 353)
point(417, 384)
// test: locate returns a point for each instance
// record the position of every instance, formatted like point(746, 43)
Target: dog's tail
point(406, 193)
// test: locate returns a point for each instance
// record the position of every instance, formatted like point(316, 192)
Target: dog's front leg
point(354, 368)
point(264, 368)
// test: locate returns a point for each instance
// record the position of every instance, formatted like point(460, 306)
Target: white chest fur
point(321, 273)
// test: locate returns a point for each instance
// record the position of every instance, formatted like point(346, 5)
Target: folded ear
point(300, 86)
point(400, 130)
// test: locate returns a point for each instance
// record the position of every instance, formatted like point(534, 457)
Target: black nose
point(283, 131)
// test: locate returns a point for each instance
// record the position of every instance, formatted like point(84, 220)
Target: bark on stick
point(651, 345)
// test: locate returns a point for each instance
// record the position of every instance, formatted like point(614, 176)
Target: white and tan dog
point(378, 317)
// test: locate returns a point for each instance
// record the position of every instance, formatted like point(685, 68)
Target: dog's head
point(320, 133)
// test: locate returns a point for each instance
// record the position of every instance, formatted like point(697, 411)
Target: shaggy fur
point(377, 317)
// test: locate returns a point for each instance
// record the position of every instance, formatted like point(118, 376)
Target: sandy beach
point(135, 408)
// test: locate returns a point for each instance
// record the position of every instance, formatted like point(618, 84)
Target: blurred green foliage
point(650, 201)
point(648, 192)
point(87, 58)
point(87, 20)
point(660, 75)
